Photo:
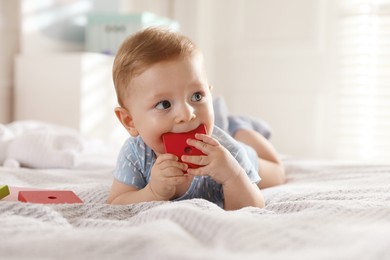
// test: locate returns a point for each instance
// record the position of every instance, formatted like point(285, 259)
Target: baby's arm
point(167, 173)
point(125, 194)
point(239, 192)
point(220, 165)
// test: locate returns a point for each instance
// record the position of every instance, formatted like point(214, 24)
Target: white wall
point(9, 39)
point(272, 59)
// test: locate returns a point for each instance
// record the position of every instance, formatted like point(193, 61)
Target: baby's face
point(170, 96)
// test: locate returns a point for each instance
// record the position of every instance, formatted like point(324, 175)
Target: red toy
point(176, 143)
point(49, 197)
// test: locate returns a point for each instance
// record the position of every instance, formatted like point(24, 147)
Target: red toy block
point(176, 143)
point(49, 197)
point(4, 191)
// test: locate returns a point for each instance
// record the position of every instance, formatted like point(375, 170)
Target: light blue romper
point(136, 159)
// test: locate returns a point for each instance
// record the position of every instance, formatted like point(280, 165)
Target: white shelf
point(69, 89)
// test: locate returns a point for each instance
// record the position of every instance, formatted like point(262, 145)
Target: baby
point(162, 87)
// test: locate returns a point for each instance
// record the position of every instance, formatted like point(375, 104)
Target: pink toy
point(176, 143)
point(49, 197)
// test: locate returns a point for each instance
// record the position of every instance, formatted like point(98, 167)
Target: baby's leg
point(237, 122)
point(271, 169)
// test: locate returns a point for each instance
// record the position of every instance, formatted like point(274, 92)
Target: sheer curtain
point(364, 89)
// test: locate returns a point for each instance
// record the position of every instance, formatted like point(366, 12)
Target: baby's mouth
point(200, 129)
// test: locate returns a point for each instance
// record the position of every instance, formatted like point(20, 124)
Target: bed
point(326, 210)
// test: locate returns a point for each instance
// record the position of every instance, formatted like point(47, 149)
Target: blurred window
point(364, 77)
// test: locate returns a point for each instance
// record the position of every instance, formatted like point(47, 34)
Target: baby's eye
point(197, 97)
point(163, 105)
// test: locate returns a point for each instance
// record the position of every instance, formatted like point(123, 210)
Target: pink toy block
point(49, 197)
point(4, 191)
point(176, 143)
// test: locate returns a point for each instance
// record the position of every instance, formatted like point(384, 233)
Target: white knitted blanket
point(325, 211)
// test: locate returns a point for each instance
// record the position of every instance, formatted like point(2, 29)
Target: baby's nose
point(185, 113)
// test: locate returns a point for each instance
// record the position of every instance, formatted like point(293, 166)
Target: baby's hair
point(143, 49)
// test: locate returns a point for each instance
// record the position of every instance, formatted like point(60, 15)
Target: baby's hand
point(167, 173)
point(218, 163)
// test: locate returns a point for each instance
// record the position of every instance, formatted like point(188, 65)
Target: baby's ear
point(126, 120)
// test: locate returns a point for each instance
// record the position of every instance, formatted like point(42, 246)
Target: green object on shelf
point(4, 191)
point(105, 32)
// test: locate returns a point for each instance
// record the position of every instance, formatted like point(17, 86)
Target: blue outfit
point(233, 123)
point(136, 159)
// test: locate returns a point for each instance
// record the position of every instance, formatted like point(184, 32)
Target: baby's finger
point(182, 167)
point(206, 139)
point(201, 160)
point(166, 156)
point(196, 172)
point(167, 161)
point(200, 145)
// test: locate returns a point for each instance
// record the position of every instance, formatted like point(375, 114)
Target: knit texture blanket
point(326, 210)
